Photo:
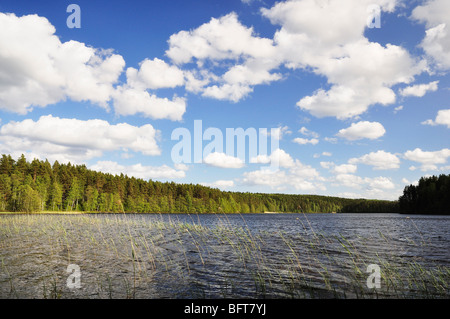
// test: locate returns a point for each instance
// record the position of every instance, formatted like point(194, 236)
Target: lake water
point(224, 256)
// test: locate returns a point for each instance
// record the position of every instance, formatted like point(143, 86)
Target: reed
point(134, 257)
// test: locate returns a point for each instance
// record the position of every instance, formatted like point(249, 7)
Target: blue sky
point(360, 111)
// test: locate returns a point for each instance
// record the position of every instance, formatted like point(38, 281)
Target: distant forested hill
point(430, 196)
point(38, 186)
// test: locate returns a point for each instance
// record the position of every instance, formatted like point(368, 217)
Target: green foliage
point(370, 206)
point(430, 196)
point(65, 187)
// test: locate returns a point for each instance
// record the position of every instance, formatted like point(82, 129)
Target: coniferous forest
point(40, 186)
point(430, 196)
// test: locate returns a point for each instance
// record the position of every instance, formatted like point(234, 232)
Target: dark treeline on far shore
point(39, 186)
point(430, 196)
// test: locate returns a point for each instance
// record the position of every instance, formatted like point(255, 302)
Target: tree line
point(430, 196)
point(40, 186)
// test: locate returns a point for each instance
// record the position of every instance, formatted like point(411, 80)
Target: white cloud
point(361, 73)
point(181, 166)
point(327, 165)
point(253, 72)
point(238, 81)
point(363, 129)
point(380, 183)
point(398, 108)
point(265, 177)
point(76, 140)
point(222, 184)
point(277, 133)
point(345, 169)
point(223, 160)
point(349, 180)
point(429, 160)
point(278, 157)
point(357, 182)
point(380, 160)
point(219, 39)
point(282, 180)
point(304, 141)
point(434, 14)
point(408, 182)
point(227, 91)
point(138, 170)
point(131, 101)
point(442, 118)
point(307, 132)
point(332, 140)
point(155, 74)
point(419, 90)
point(37, 69)
point(292, 175)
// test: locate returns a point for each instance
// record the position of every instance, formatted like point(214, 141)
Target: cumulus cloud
point(155, 74)
point(434, 14)
point(380, 183)
point(362, 129)
point(307, 132)
point(398, 109)
point(37, 69)
point(361, 73)
point(139, 170)
point(278, 158)
point(285, 180)
point(374, 184)
point(134, 96)
point(222, 184)
point(428, 159)
point(219, 40)
point(349, 180)
point(442, 118)
point(277, 132)
point(76, 140)
point(223, 160)
point(304, 141)
point(131, 101)
point(345, 169)
point(380, 160)
point(290, 174)
point(342, 169)
point(419, 90)
point(327, 165)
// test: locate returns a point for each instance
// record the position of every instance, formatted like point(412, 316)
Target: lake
point(224, 256)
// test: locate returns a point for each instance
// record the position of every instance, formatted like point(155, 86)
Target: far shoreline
point(211, 213)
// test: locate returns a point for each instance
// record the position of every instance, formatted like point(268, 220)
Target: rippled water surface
point(224, 256)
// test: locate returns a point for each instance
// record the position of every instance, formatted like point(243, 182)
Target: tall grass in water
point(132, 256)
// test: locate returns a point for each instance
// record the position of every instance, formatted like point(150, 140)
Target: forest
point(430, 196)
point(40, 186)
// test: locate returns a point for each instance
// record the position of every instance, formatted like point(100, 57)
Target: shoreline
point(214, 213)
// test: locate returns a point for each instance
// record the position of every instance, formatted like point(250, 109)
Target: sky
point(349, 97)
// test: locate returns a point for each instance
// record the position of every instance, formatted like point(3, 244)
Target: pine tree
point(55, 196)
